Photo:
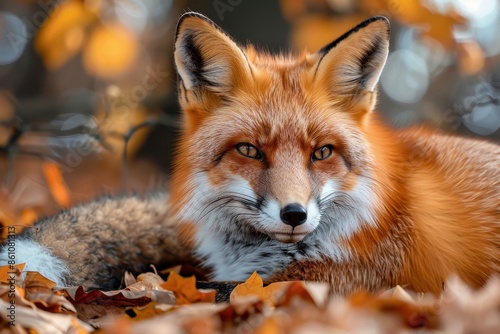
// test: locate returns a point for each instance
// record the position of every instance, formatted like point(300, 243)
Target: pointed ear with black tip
point(350, 67)
point(208, 61)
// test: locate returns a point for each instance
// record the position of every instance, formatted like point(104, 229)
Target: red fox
point(284, 168)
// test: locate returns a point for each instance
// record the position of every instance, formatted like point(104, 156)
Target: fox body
point(284, 168)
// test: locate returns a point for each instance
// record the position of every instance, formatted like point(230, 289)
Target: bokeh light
point(13, 38)
point(411, 86)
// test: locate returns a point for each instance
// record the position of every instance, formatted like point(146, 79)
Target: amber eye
point(322, 153)
point(248, 150)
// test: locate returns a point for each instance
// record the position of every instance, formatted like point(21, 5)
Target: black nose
point(293, 214)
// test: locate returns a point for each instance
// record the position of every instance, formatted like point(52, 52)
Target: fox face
point(273, 148)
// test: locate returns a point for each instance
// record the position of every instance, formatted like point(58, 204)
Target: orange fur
point(437, 197)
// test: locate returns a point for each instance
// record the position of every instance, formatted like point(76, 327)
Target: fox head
point(276, 146)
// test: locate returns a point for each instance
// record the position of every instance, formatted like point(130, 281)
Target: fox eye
point(322, 153)
point(248, 150)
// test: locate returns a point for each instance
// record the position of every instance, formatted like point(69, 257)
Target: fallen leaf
point(414, 315)
point(148, 311)
point(185, 290)
point(119, 298)
point(8, 272)
point(92, 306)
point(242, 311)
point(254, 286)
point(34, 282)
point(38, 289)
point(43, 322)
point(14, 293)
point(129, 279)
point(178, 320)
point(150, 278)
point(296, 290)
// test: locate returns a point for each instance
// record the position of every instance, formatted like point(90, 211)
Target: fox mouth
point(289, 238)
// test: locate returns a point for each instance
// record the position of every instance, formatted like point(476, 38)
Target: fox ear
point(352, 64)
point(207, 58)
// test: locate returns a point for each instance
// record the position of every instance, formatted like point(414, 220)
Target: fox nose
point(293, 214)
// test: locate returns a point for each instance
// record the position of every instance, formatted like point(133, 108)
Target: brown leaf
point(148, 311)
point(39, 291)
point(39, 321)
point(7, 291)
point(118, 298)
point(240, 312)
point(92, 306)
point(414, 315)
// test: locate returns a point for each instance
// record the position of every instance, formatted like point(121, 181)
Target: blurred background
point(88, 89)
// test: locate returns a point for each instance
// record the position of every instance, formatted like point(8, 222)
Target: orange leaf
point(110, 52)
point(254, 286)
point(36, 282)
point(7, 271)
point(56, 183)
point(185, 290)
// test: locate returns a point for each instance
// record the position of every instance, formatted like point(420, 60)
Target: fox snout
point(293, 214)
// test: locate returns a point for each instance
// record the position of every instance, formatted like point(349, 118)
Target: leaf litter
point(150, 304)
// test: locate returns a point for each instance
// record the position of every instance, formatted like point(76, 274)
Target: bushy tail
point(95, 243)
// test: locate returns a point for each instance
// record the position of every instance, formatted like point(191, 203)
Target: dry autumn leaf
point(9, 271)
point(151, 284)
point(39, 291)
point(92, 306)
point(254, 287)
point(296, 290)
point(35, 282)
point(38, 321)
point(185, 290)
point(119, 298)
point(148, 311)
